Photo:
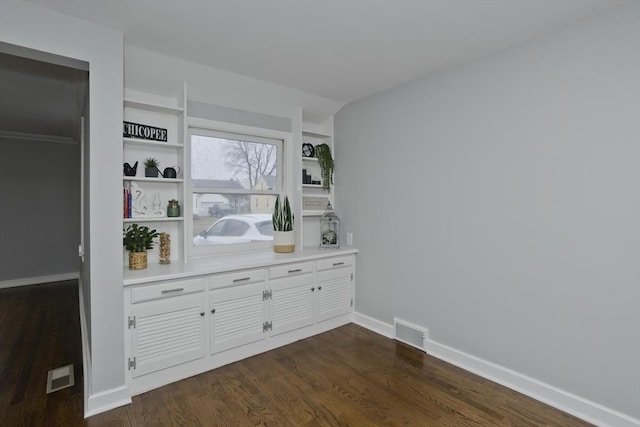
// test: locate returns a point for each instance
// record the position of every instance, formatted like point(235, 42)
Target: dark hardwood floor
point(348, 376)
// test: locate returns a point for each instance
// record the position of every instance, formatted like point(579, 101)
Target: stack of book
point(127, 202)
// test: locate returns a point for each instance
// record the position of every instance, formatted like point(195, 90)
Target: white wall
point(497, 204)
point(39, 222)
point(155, 73)
point(37, 28)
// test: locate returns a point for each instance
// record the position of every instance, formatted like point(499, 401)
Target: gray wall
point(496, 203)
point(39, 209)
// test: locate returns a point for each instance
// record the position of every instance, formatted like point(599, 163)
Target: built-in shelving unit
point(169, 114)
point(314, 194)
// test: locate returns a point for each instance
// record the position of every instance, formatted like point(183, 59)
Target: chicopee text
point(136, 130)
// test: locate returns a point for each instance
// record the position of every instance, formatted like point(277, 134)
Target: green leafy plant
point(138, 238)
point(323, 153)
point(151, 162)
point(282, 216)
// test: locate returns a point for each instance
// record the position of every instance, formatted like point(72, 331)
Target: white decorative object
point(140, 206)
point(156, 201)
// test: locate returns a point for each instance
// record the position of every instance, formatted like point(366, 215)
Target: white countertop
point(221, 263)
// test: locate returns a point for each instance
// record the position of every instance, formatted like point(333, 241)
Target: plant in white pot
point(137, 239)
point(284, 238)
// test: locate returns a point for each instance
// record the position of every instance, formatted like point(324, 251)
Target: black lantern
point(329, 226)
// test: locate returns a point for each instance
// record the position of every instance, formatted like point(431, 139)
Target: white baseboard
point(86, 349)
point(107, 400)
point(12, 283)
point(587, 410)
point(372, 324)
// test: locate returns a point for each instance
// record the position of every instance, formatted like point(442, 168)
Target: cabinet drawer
point(236, 278)
point(337, 262)
point(290, 270)
point(166, 290)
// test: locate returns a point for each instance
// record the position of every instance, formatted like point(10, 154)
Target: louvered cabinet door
point(291, 303)
point(237, 316)
point(333, 293)
point(167, 333)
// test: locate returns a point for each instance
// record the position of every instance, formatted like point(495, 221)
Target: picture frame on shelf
point(314, 203)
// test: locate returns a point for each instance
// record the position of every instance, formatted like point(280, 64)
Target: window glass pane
point(234, 180)
point(233, 164)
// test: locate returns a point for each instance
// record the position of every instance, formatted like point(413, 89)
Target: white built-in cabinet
point(167, 326)
point(178, 328)
point(237, 310)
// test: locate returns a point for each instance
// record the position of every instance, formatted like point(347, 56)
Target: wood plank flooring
point(345, 377)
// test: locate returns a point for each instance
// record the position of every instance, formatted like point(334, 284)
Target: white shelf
point(148, 143)
point(154, 219)
point(312, 213)
point(310, 159)
point(156, 108)
point(314, 130)
point(311, 185)
point(142, 178)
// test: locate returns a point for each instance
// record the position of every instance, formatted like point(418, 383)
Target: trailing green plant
point(138, 238)
point(151, 162)
point(323, 153)
point(282, 216)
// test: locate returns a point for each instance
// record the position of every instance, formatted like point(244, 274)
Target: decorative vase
point(151, 172)
point(284, 241)
point(165, 248)
point(137, 260)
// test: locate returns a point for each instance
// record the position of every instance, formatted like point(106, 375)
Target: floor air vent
point(60, 378)
point(410, 334)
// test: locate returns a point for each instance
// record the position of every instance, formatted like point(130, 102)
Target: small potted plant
point(325, 161)
point(137, 239)
point(284, 238)
point(151, 167)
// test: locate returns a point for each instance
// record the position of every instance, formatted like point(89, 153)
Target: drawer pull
point(202, 313)
point(335, 264)
point(168, 291)
point(213, 310)
point(313, 289)
point(297, 270)
point(319, 288)
point(241, 280)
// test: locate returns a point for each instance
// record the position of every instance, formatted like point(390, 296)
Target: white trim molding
point(372, 324)
point(27, 281)
point(587, 410)
point(107, 400)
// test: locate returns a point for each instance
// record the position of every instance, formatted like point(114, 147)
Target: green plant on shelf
point(138, 238)
point(282, 216)
point(325, 161)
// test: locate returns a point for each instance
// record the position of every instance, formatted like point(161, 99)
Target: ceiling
point(342, 50)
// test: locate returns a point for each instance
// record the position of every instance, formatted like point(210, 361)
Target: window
point(234, 180)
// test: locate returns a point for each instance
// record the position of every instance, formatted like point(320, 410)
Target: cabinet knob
point(313, 289)
point(319, 288)
point(213, 310)
point(202, 313)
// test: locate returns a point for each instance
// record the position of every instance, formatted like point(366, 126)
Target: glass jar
point(173, 208)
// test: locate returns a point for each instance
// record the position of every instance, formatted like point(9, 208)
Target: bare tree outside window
point(249, 160)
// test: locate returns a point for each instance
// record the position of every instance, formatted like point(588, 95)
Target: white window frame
point(202, 126)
